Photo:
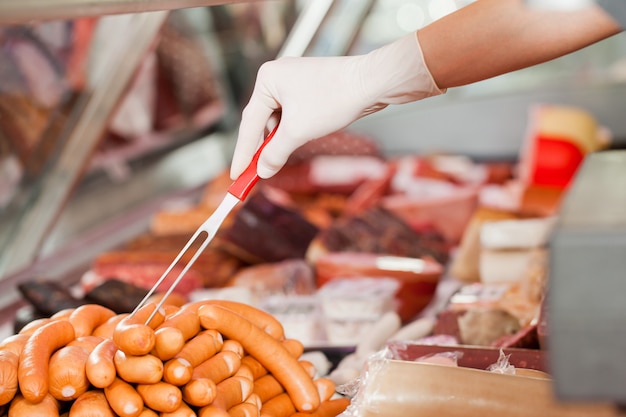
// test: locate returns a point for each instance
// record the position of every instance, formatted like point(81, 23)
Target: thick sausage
point(168, 341)
point(309, 367)
point(212, 411)
point(232, 391)
point(186, 321)
point(199, 392)
point(21, 407)
point(294, 347)
point(179, 370)
point(258, 317)
point(100, 368)
point(144, 369)
point(66, 373)
point(89, 316)
point(8, 376)
point(92, 403)
point(146, 412)
point(182, 411)
point(88, 343)
point(244, 410)
point(106, 329)
point(133, 336)
point(34, 325)
point(124, 399)
point(160, 396)
point(233, 346)
point(279, 406)
point(245, 372)
point(267, 387)
point(255, 366)
point(222, 365)
point(63, 314)
point(268, 351)
point(14, 343)
point(325, 387)
point(32, 372)
point(329, 408)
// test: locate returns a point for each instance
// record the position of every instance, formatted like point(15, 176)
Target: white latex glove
point(320, 95)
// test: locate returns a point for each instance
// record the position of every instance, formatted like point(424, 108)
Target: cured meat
point(48, 297)
point(379, 231)
point(143, 268)
point(343, 142)
point(264, 231)
point(289, 277)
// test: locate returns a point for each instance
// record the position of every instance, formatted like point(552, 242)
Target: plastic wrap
point(391, 387)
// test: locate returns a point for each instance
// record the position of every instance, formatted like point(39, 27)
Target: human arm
point(493, 37)
point(317, 96)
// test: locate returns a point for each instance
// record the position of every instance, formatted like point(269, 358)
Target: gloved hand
point(317, 96)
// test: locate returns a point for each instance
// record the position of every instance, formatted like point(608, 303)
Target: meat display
point(440, 259)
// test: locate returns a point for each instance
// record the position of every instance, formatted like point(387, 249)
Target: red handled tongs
point(238, 191)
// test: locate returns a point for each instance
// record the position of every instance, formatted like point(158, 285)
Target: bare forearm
point(493, 37)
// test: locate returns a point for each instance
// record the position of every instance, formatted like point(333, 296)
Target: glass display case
point(109, 109)
point(103, 111)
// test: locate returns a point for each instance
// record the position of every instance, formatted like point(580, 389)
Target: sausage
point(144, 369)
point(254, 399)
point(174, 299)
point(32, 372)
point(186, 321)
point(245, 372)
point(87, 317)
point(233, 346)
point(14, 343)
point(182, 411)
point(294, 347)
point(217, 368)
point(8, 376)
point(270, 352)
point(66, 373)
point(133, 336)
point(200, 348)
point(212, 411)
point(92, 403)
point(244, 410)
point(34, 325)
point(255, 366)
point(168, 341)
point(308, 367)
point(232, 391)
point(63, 314)
point(267, 387)
point(199, 392)
point(279, 406)
point(160, 396)
point(106, 329)
point(88, 343)
point(329, 408)
point(124, 399)
point(100, 368)
point(258, 317)
point(179, 370)
point(21, 407)
point(146, 412)
point(325, 387)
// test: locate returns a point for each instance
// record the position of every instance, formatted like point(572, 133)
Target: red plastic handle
point(242, 185)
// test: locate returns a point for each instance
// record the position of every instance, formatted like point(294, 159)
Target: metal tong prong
point(178, 278)
point(237, 192)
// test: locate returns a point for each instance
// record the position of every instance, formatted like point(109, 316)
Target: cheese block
point(516, 234)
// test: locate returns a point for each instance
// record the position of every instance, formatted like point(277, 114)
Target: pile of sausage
point(207, 358)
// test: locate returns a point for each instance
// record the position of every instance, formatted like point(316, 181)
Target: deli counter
point(420, 261)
